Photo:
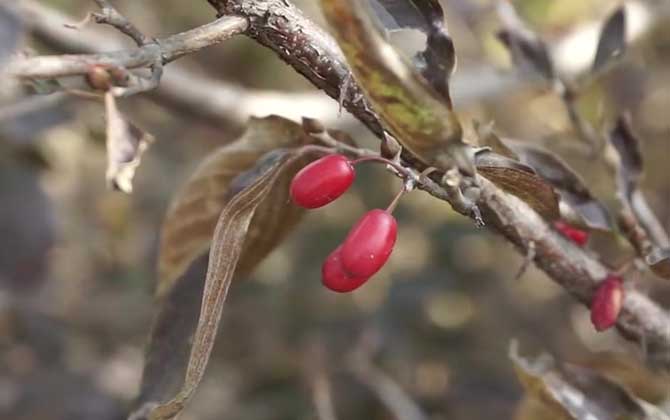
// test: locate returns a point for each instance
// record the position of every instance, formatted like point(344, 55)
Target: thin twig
point(398, 402)
point(164, 50)
point(110, 16)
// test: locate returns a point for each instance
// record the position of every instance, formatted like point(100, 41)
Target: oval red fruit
point(578, 236)
point(369, 243)
point(335, 278)
point(607, 302)
point(322, 181)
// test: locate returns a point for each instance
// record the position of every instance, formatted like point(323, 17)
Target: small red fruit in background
point(607, 302)
point(369, 243)
point(322, 181)
point(335, 278)
point(578, 236)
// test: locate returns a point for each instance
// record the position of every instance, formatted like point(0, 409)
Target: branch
point(180, 89)
point(164, 51)
point(280, 26)
point(111, 16)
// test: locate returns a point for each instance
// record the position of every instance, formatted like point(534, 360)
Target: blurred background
point(77, 262)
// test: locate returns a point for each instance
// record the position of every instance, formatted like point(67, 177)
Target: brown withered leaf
point(629, 172)
point(520, 180)
point(659, 261)
point(528, 50)
point(438, 60)
point(413, 111)
point(572, 392)
point(233, 237)
point(612, 41)
point(241, 194)
point(125, 145)
point(576, 199)
point(187, 230)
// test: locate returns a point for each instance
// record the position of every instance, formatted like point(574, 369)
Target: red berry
point(369, 243)
point(607, 302)
point(578, 236)
point(334, 277)
point(322, 181)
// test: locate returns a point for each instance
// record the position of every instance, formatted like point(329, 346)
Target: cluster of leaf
point(530, 52)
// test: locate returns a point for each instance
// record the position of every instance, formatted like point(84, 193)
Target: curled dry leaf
point(125, 145)
point(578, 205)
point(243, 198)
point(520, 180)
point(659, 261)
point(629, 172)
point(528, 50)
point(438, 60)
point(413, 111)
point(566, 391)
point(612, 41)
point(187, 229)
point(11, 29)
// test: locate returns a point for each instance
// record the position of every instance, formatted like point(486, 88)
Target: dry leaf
point(629, 173)
point(659, 262)
point(243, 199)
point(529, 52)
point(414, 112)
point(520, 180)
point(612, 41)
point(574, 392)
point(576, 199)
point(438, 60)
point(125, 146)
point(187, 230)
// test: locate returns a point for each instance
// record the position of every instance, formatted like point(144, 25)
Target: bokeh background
point(77, 262)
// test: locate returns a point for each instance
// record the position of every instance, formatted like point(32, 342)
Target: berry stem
point(397, 198)
point(395, 166)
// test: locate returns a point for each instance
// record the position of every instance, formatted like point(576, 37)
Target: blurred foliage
point(77, 262)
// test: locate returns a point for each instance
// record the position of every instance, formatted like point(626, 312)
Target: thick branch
point(305, 46)
point(281, 27)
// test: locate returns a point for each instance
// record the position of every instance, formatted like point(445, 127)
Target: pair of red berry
point(369, 243)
